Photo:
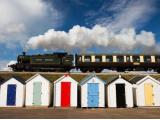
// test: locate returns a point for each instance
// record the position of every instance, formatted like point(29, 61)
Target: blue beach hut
point(92, 91)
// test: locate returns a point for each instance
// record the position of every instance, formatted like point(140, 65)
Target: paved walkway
point(79, 113)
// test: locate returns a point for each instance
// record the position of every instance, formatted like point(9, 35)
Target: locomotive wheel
point(27, 68)
point(120, 70)
point(91, 70)
point(67, 69)
point(84, 70)
point(98, 70)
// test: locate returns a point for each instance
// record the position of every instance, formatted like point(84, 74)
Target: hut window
point(98, 59)
point(136, 59)
point(109, 58)
point(147, 58)
point(87, 59)
point(120, 58)
point(157, 58)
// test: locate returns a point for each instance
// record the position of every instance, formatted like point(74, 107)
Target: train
point(64, 62)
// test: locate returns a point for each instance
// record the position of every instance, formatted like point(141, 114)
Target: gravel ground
point(42, 113)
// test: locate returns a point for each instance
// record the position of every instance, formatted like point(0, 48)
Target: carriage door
point(120, 95)
point(37, 86)
point(93, 94)
point(65, 94)
point(11, 94)
point(148, 89)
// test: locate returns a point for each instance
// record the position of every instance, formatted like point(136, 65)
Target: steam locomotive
point(63, 62)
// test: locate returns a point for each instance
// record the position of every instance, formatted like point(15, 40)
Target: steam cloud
point(82, 38)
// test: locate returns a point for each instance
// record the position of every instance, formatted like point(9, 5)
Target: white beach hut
point(65, 92)
point(146, 91)
point(92, 91)
point(12, 92)
point(119, 92)
point(38, 91)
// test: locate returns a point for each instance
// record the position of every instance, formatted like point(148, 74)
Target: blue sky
point(21, 20)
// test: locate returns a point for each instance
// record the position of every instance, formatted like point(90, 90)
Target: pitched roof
point(64, 76)
point(111, 79)
point(21, 80)
point(36, 76)
point(88, 77)
point(136, 79)
point(1, 79)
point(114, 78)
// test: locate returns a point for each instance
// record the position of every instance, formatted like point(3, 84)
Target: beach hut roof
point(36, 76)
point(135, 79)
point(3, 80)
point(85, 79)
point(139, 79)
point(114, 78)
point(66, 75)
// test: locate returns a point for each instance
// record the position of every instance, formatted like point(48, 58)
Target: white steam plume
point(84, 38)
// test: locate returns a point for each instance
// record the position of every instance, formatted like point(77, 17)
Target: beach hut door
point(65, 94)
point(37, 86)
point(11, 95)
point(120, 95)
point(93, 94)
point(148, 88)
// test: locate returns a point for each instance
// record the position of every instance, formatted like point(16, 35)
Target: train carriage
point(62, 62)
point(117, 62)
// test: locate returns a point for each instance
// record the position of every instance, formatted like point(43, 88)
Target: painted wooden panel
point(11, 94)
point(37, 86)
point(93, 94)
point(148, 89)
point(65, 94)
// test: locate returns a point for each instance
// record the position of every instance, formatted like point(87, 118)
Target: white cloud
point(4, 65)
point(18, 18)
point(84, 38)
point(122, 14)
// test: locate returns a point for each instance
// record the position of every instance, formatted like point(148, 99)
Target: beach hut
point(65, 92)
point(119, 92)
point(38, 91)
point(12, 92)
point(92, 91)
point(146, 91)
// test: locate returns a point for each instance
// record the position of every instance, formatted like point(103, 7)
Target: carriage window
point(147, 58)
point(157, 58)
point(120, 59)
point(127, 58)
point(80, 59)
point(87, 59)
point(98, 58)
point(109, 58)
point(136, 59)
